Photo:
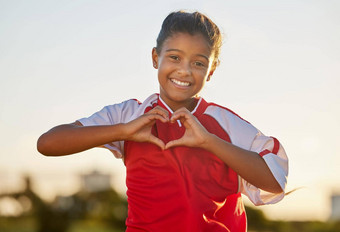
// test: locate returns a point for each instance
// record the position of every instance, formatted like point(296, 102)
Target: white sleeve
point(111, 115)
point(275, 157)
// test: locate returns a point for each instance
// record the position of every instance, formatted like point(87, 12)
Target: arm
point(73, 138)
point(249, 165)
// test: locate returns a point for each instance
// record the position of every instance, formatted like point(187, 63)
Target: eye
point(199, 64)
point(174, 57)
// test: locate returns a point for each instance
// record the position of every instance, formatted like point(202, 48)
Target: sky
point(64, 60)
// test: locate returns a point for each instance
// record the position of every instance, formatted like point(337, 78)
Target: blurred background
point(64, 60)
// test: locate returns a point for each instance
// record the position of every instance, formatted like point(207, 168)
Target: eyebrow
point(177, 50)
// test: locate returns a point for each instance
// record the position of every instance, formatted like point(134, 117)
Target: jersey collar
point(198, 110)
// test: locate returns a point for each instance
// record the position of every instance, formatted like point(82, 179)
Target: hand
point(195, 134)
point(139, 130)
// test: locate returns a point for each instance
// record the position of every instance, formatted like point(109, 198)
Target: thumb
point(173, 143)
point(157, 142)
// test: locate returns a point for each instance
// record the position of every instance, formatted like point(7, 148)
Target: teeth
point(180, 82)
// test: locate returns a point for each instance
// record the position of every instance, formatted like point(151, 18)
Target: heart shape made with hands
point(194, 136)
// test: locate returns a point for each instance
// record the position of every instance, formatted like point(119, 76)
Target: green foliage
point(256, 219)
point(106, 211)
point(100, 211)
point(258, 222)
point(92, 226)
point(15, 224)
point(108, 207)
point(27, 224)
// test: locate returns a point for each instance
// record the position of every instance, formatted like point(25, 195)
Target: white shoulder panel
point(118, 113)
point(241, 132)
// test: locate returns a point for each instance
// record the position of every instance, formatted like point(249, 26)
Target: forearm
point(70, 138)
point(249, 165)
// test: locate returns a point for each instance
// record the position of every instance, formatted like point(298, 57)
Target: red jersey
point(189, 189)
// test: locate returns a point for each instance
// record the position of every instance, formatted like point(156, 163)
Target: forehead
point(188, 43)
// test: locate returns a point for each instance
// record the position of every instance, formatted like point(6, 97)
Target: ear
point(154, 58)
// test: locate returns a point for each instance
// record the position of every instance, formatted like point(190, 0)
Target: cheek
point(165, 68)
point(162, 75)
point(201, 74)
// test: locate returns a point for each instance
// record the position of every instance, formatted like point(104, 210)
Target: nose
point(184, 69)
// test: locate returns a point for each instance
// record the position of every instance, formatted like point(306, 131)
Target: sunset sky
point(280, 70)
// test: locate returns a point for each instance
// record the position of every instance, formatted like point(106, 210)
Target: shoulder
point(218, 110)
point(121, 109)
point(240, 131)
point(225, 115)
point(132, 104)
point(118, 113)
point(132, 108)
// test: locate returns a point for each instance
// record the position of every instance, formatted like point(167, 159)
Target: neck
point(190, 104)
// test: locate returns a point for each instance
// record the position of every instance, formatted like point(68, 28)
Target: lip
point(180, 83)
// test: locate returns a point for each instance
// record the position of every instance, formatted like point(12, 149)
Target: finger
point(160, 111)
point(179, 115)
point(174, 143)
point(157, 142)
point(153, 117)
point(182, 110)
point(186, 118)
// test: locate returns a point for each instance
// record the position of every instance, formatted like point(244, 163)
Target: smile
point(180, 83)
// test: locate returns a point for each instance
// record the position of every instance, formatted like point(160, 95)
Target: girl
point(187, 161)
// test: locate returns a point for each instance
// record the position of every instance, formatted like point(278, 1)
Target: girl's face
point(184, 64)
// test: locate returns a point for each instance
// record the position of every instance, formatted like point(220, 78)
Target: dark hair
point(191, 23)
